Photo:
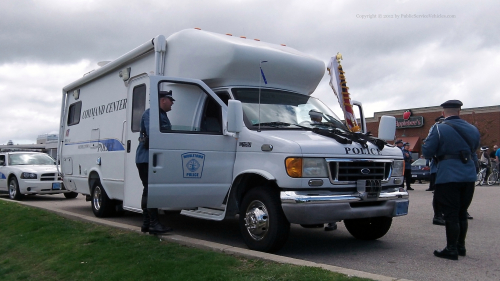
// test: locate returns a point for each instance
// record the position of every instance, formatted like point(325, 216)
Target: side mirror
point(387, 128)
point(234, 116)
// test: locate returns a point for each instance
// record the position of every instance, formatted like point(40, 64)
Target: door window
point(193, 111)
point(138, 106)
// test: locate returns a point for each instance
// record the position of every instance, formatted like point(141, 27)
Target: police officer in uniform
point(407, 158)
point(453, 142)
point(151, 223)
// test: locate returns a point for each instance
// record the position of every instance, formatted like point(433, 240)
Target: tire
point(262, 222)
point(492, 178)
point(14, 192)
point(368, 228)
point(102, 206)
point(70, 195)
point(480, 178)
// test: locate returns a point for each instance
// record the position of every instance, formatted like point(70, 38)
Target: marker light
point(294, 167)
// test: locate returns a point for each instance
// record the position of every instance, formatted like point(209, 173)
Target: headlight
point(306, 167)
point(398, 168)
point(28, 176)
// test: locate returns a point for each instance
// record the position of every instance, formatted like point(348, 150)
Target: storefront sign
point(409, 121)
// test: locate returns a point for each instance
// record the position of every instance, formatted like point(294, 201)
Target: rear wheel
point(14, 192)
point(262, 222)
point(70, 195)
point(102, 206)
point(492, 178)
point(368, 228)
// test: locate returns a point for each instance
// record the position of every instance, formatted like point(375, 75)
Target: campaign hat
point(398, 141)
point(452, 104)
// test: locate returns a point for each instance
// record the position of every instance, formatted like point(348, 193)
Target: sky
point(398, 54)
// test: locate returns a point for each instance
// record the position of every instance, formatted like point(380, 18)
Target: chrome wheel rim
point(12, 189)
point(96, 198)
point(257, 220)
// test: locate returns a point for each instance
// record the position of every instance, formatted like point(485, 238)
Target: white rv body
point(200, 166)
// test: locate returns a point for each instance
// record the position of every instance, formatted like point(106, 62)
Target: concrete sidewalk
point(201, 244)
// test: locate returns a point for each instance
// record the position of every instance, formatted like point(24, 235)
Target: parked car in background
point(419, 171)
point(30, 173)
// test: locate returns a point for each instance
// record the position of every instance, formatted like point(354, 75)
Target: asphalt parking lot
point(404, 252)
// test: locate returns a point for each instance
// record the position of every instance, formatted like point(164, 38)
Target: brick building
point(415, 127)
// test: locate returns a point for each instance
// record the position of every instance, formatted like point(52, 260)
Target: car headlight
point(306, 167)
point(398, 167)
point(28, 175)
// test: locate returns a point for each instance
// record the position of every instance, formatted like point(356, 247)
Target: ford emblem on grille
point(365, 171)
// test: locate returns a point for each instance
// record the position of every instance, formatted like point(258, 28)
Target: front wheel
point(480, 178)
point(102, 206)
point(368, 228)
point(14, 192)
point(70, 195)
point(492, 178)
point(262, 222)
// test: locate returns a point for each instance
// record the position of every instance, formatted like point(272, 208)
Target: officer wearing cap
point(151, 223)
point(453, 143)
point(407, 158)
point(399, 144)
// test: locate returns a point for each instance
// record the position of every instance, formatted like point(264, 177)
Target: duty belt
point(450, 156)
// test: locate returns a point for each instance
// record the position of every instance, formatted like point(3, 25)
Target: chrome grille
point(342, 170)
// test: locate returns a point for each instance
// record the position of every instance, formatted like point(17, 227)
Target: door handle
point(155, 159)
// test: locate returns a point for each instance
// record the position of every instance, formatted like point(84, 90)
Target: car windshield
point(419, 162)
point(30, 159)
point(284, 110)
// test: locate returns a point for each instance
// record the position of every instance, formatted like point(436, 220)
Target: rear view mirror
point(234, 116)
point(387, 128)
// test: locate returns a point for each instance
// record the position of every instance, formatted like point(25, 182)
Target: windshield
point(30, 159)
point(419, 162)
point(280, 109)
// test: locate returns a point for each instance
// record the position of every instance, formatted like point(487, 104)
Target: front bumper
point(308, 208)
point(40, 187)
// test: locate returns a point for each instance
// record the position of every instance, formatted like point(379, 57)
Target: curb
point(217, 247)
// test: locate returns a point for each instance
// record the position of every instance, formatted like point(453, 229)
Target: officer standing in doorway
point(453, 142)
point(407, 158)
point(151, 223)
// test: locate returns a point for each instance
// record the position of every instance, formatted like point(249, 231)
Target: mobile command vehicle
point(30, 173)
point(241, 143)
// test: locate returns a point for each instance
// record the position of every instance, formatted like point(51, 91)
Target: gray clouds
point(390, 63)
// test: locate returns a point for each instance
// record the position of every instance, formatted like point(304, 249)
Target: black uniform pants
point(143, 174)
point(454, 198)
point(408, 177)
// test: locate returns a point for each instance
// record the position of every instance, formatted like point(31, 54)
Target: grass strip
point(39, 245)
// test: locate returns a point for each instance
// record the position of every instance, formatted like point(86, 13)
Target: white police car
point(30, 173)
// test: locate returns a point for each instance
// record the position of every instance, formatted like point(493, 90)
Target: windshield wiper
point(273, 124)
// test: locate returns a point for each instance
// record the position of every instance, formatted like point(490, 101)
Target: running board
point(205, 213)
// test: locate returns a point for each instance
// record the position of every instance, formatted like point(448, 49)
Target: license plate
point(56, 186)
point(413, 176)
point(401, 208)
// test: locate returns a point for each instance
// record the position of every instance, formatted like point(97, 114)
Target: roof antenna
point(260, 82)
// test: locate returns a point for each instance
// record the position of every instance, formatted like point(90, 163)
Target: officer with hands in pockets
point(151, 223)
point(453, 142)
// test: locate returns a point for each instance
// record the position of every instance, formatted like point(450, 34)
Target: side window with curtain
point(138, 106)
point(74, 113)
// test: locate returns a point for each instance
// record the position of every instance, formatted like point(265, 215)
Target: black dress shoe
point(438, 221)
point(428, 189)
point(447, 254)
point(409, 188)
point(469, 217)
point(461, 250)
